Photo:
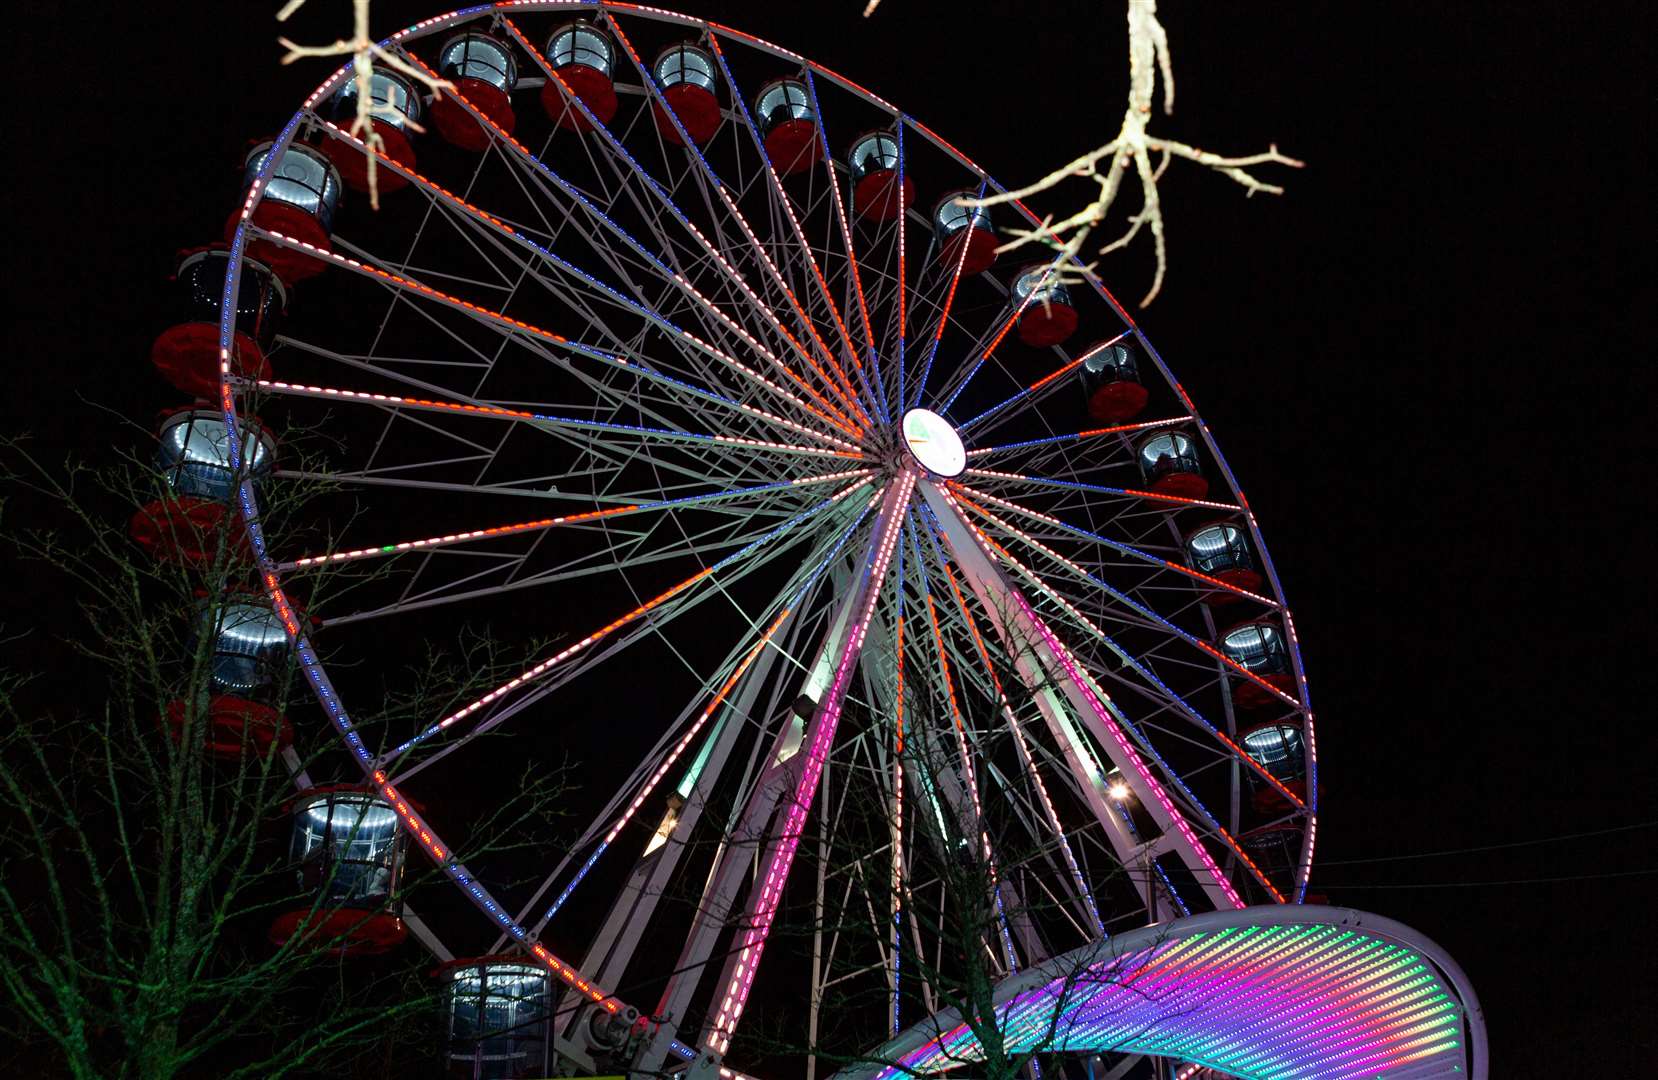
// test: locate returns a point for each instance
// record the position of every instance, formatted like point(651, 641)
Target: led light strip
point(799, 596)
point(567, 421)
point(787, 205)
point(538, 165)
point(1057, 373)
point(568, 519)
point(605, 631)
point(1107, 721)
point(1007, 504)
point(1195, 642)
point(1102, 489)
point(763, 908)
point(1094, 433)
point(847, 394)
point(713, 253)
point(1083, 620)
point(644, 312)
point(846, 239)
point(1025, 754)
point(993, 548)
point(949, 302)
point(1262, 1001)
point(1011, 321)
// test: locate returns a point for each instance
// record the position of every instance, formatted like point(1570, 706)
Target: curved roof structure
point(1266, 993)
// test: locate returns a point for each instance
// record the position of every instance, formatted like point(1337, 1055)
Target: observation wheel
point(671, 359)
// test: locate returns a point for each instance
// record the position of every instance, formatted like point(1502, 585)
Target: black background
point(1429, 363)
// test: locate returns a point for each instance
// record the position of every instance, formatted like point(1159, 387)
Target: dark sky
point(1427, 363)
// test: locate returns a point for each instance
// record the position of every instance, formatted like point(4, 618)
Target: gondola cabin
point(788, 126)
point(396, 115)
point(1220, 550)
point(1045, 314)
point(685, 75)
point(299, 200)
point(584, 63)
point(348, 849)
point(1259, 648)
point(250, 644)
point(1278, 748)
point(1169, 465)
point(484, 73)
point(878, 193)
point(1111, 383)
point(499, 1010)
point(187, 353)
point(966, 237)
point(194, 515)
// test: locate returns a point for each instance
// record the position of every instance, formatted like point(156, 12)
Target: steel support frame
point(1042, 671)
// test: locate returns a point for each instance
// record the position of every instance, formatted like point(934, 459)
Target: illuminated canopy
point(1266, 993)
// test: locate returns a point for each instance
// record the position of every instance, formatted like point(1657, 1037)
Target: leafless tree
point(138, 872)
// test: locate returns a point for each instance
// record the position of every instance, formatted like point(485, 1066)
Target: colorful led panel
point(1282, 994)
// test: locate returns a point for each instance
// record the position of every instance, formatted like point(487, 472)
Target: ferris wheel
point(669, 341)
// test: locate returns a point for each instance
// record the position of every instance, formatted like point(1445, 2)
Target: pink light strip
point(764, 907)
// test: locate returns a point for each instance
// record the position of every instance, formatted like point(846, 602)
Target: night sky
point(1427, 364)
